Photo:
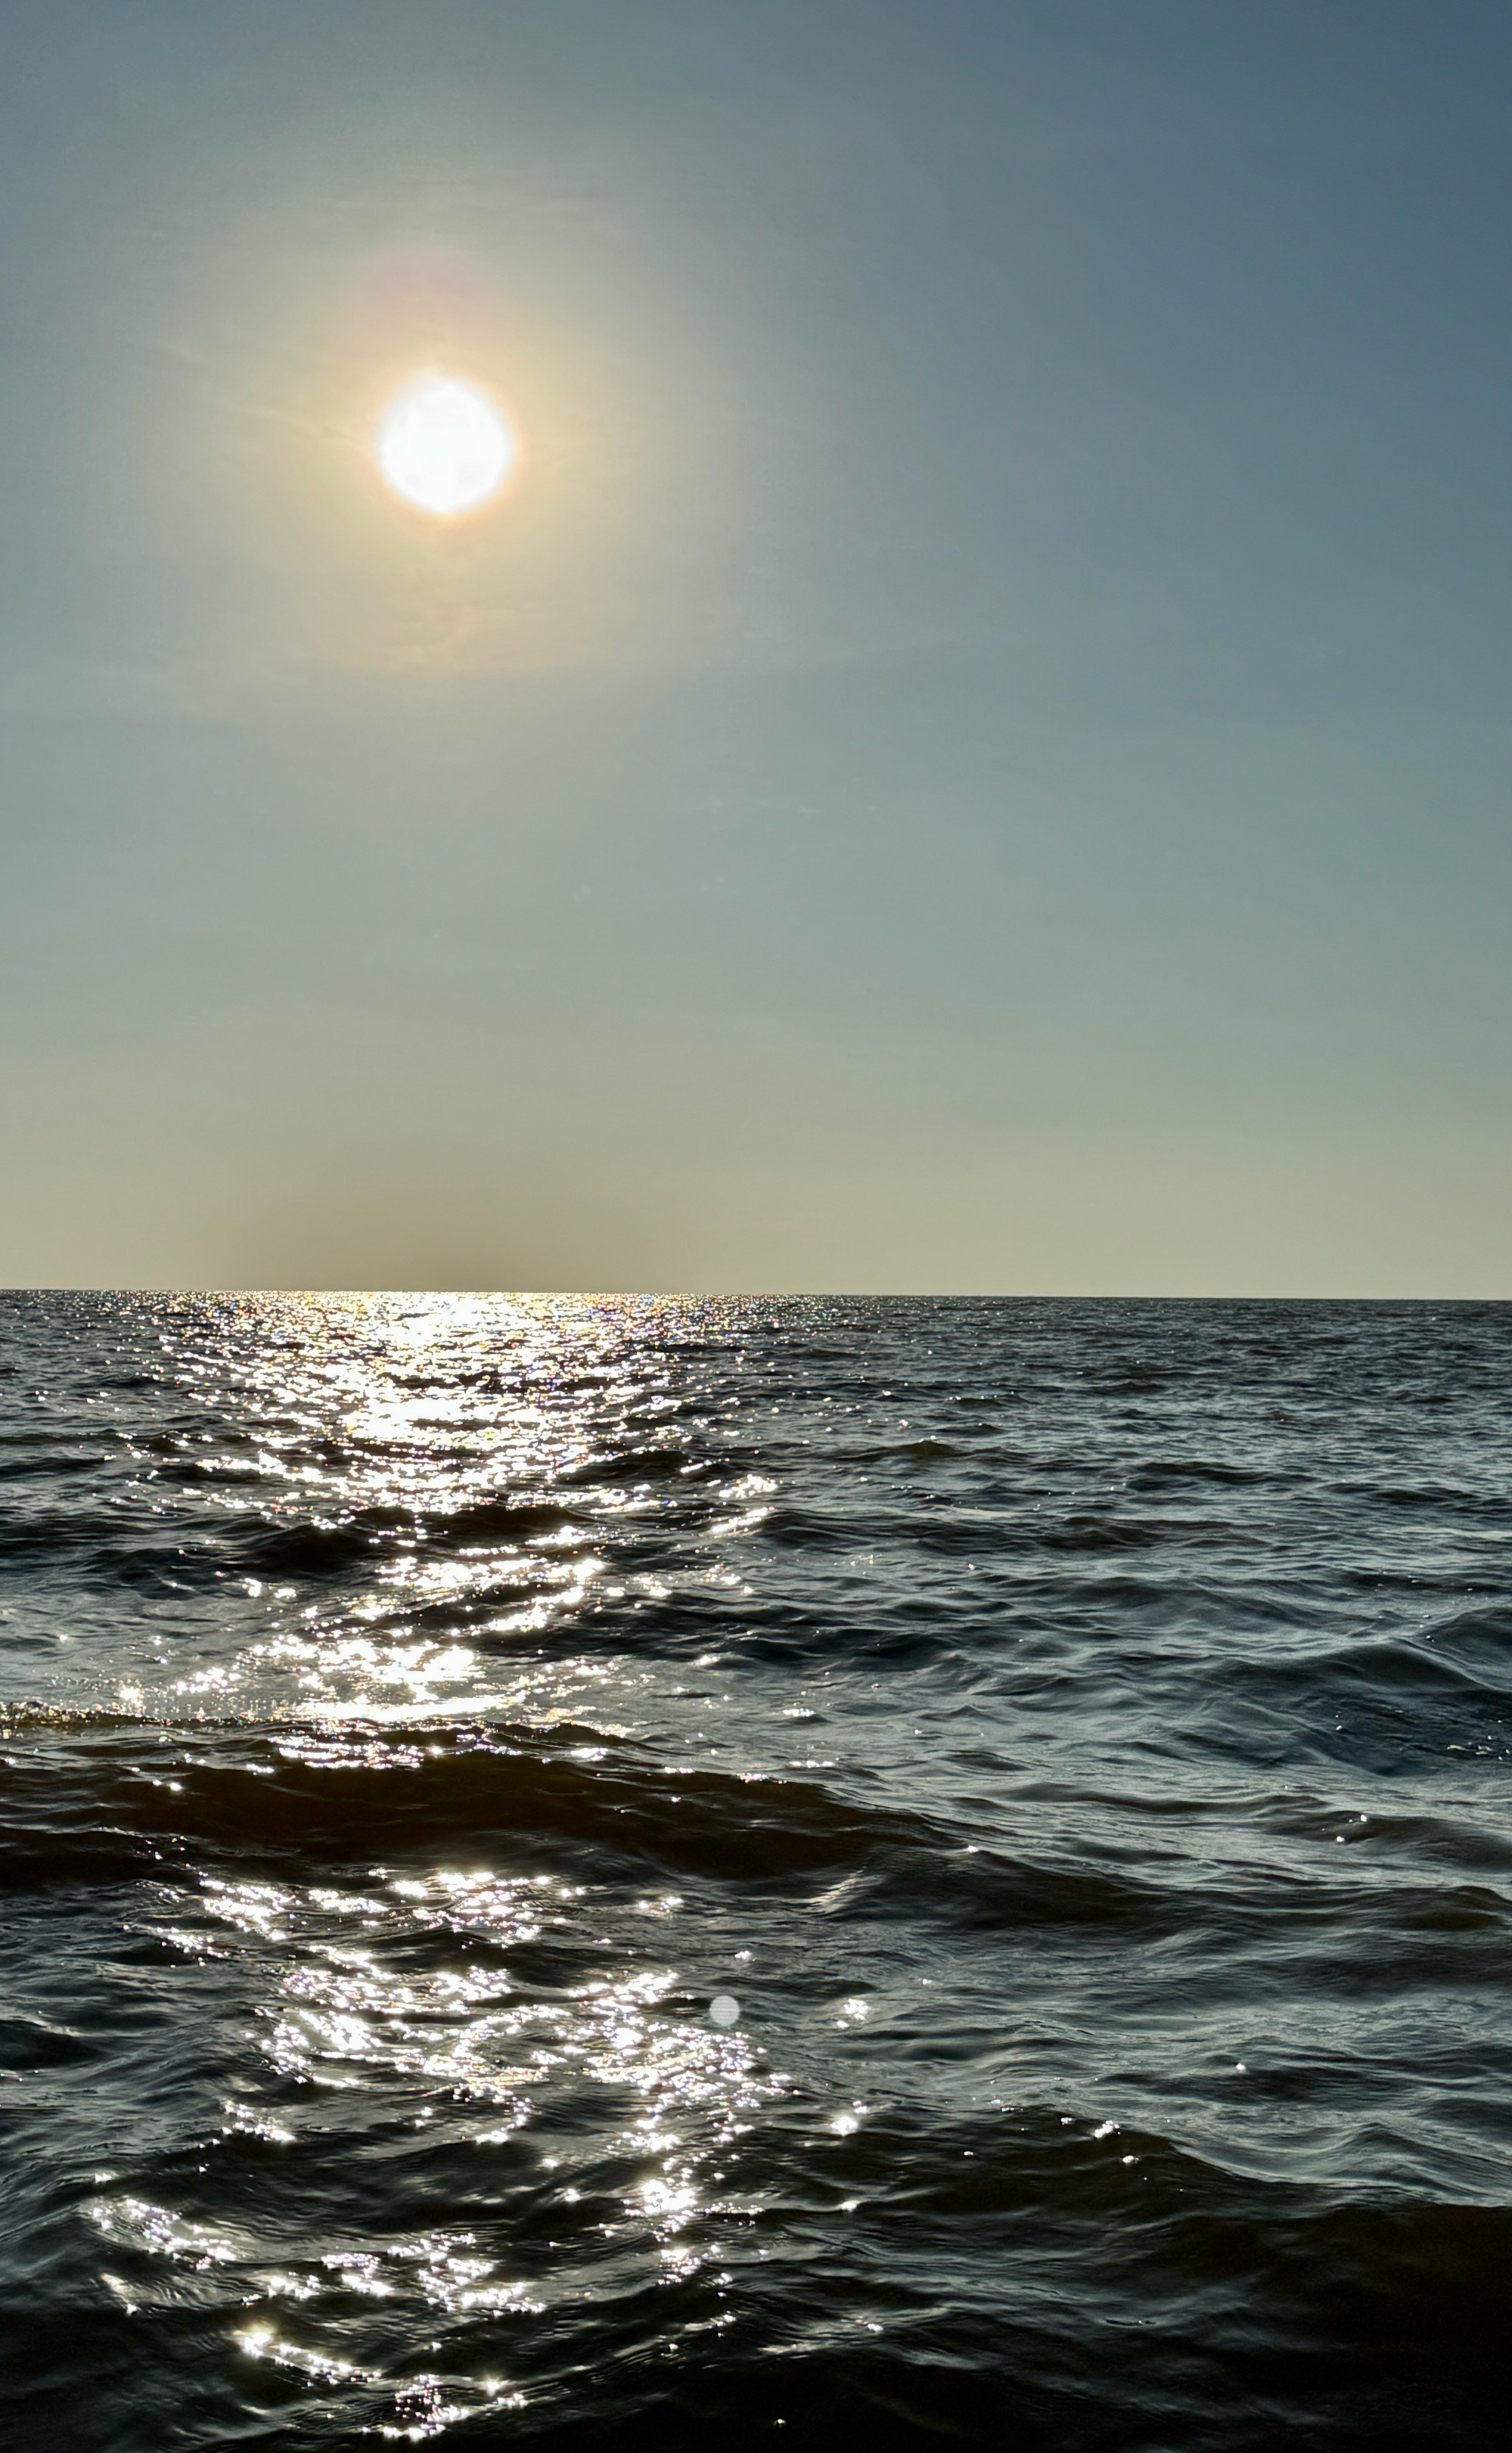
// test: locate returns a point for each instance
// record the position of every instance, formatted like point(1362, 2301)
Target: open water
point(735, 1873)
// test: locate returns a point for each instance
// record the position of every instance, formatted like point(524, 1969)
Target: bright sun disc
point(443, 448)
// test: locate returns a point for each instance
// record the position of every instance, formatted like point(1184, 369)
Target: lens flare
point(443, 448)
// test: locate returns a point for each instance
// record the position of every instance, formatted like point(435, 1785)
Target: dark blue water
point(1068, 1742)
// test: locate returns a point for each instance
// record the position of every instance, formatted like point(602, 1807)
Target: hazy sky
point(976, 755)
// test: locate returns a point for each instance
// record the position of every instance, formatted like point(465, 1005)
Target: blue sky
point(975, 756)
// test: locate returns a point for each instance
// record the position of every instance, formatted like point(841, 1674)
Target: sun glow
point(444, 446)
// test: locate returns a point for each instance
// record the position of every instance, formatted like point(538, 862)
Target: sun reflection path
point(388, 1522)
point(383, 1504)
point(461, 2008)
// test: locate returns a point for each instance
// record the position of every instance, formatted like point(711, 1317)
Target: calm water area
point(746, 1872)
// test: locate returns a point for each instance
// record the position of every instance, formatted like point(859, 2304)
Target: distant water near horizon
point(647, 1872)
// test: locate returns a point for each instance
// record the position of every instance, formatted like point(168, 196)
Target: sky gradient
point(976, 756)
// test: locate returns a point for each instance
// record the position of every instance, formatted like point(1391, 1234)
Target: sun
point(444, 446)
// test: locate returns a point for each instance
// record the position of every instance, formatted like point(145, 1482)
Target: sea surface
point(728, 1873)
